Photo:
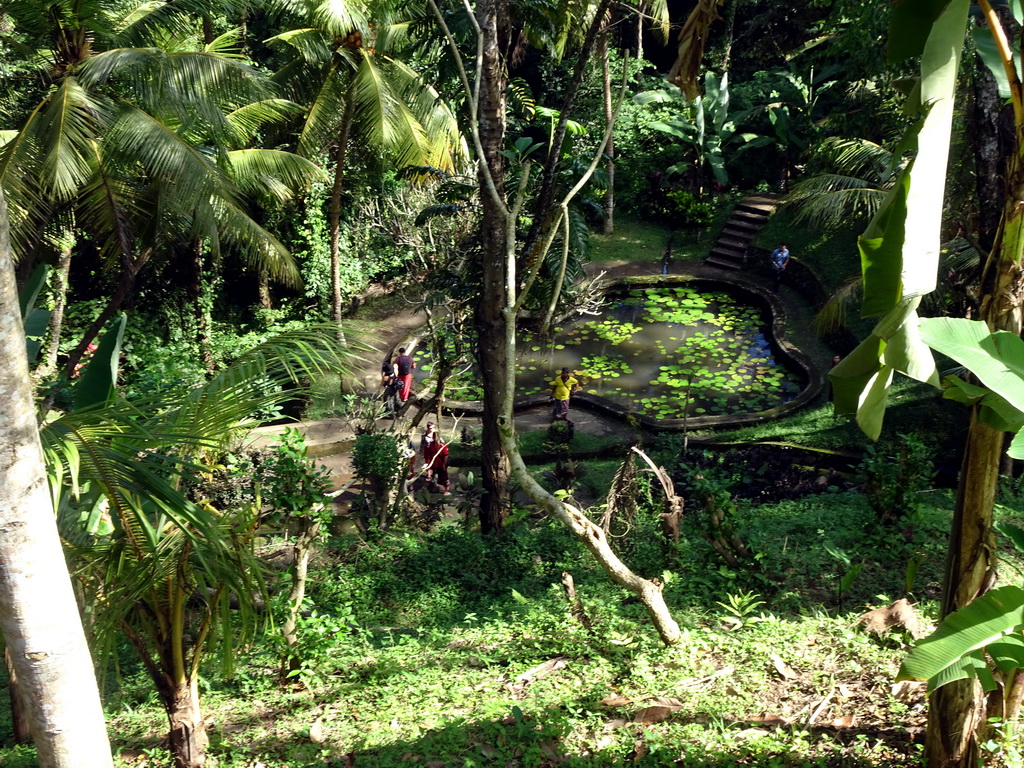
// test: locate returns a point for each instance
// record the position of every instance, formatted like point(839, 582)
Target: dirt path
point(330, 440)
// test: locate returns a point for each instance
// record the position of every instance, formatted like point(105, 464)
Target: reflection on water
point(664, 351)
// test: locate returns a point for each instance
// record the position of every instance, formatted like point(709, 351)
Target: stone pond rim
point(755, 295)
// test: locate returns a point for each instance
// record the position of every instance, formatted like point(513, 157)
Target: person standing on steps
point(404, 365)
point(562, 387)
point(780, 259)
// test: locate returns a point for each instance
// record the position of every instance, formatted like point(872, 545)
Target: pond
point(663, 352)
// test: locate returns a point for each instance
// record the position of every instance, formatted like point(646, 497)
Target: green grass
point(832, 255)
point(638, 240)
point(463, 651)
point(632, 240)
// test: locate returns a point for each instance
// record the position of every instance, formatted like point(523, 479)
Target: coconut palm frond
point(312, 45)
point(658, 10)
point(256, 245)
point(269, 171)
point(959, 256)
point(340, 17)
point(833, 313)
point(228, 45)
point(108, 207)
point(857, 157)
point(163, 155)
point(831, 204)
point(323, 118)
point(247, 120)
point(304, 353)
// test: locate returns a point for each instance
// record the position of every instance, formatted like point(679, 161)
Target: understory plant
point(708, 493)
point(895, 476)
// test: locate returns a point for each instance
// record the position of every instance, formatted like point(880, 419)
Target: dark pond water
point(662, 352)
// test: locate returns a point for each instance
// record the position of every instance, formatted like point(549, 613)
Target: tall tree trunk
point(60, 290)
point(340, 160)
point(188, 738)
point(957, 718)
point(38, 613)
point(264, 290)
point(608, 225)
point(492, 353)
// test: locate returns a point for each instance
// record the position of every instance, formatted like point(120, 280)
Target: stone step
point(727, 241)
point(732, 232)
point(748, 220)
point(752, 212)
point(717, 260)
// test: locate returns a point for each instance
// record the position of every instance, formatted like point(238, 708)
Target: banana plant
point(704, 124)
point(984, 641)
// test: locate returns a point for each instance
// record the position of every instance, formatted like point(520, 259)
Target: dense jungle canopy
point(218, 220)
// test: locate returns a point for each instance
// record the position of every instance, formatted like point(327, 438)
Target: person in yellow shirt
point(562, 386)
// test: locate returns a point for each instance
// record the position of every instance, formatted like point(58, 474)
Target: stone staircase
point(750, 214)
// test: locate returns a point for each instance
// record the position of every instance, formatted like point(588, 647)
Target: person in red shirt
point(435, 457)
point(404, 365)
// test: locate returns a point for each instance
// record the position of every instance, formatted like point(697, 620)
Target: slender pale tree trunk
point(301, 551)
point(608, 226)
point(340, 160)
point(60, 291)
point(38, 612)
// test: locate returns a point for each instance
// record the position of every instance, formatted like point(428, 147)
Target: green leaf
point(881, 251)
point(1016, 449)
point(1013, 532)
point(30, 291)
point(988, 51)
point(952, 651)
point(909, 26)
point(99, 375)
point(997, 359)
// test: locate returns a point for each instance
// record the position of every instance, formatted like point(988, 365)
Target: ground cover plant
point(445, 648)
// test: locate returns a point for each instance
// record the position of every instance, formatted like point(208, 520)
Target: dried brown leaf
point(782, 667)
point(649, 715)
point(615, 700)
point(542, 670)
point(846, 721)
point(898, 614)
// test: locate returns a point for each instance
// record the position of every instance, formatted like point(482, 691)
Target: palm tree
point(173, 576)
point(860, 175)
point(356, 92)
point(126, 140)
point(38, 611)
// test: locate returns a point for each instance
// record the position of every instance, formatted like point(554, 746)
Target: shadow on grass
point(582, 734)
